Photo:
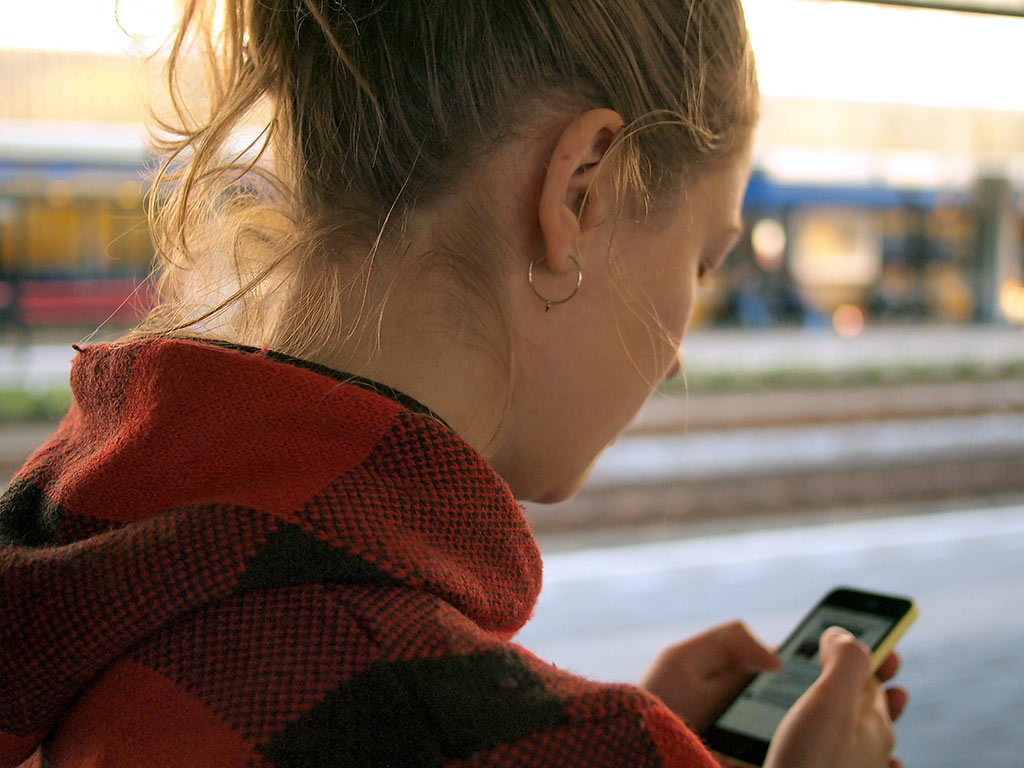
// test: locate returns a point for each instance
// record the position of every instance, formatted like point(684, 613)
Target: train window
point(90, 237)
point(8, 221)
point(53, 235)
point(125, 239)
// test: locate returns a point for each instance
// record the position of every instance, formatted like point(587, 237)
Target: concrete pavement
point(980, 348)
point(605, 612)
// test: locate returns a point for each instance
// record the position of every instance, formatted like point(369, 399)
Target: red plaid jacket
point(225, 557)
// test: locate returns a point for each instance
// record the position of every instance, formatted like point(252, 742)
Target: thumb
point(845, 661)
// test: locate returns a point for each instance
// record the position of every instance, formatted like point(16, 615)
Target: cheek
point(674, 283)
point(688, 304)
point(677, 304)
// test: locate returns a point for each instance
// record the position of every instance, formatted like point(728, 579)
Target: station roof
point(994, 7)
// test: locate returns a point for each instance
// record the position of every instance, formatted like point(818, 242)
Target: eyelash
point(704, 271)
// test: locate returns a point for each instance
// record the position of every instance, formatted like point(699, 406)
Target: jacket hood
point(186, 472)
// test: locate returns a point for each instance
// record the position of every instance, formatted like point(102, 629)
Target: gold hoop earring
point(549, 303)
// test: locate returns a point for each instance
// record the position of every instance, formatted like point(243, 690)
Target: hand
point(844, 720)
point(699, 676)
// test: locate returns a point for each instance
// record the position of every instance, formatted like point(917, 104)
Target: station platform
point(963, 349)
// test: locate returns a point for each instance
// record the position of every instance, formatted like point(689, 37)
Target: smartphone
point(742, 732)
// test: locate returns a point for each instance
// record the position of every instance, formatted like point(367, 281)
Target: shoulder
point(366, 675)
point(598, 724)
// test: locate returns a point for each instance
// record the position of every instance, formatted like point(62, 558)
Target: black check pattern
point(293, 570)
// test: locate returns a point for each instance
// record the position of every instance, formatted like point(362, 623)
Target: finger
point(889, 667)
point(845, 661)
point(895, 762)
point(747, 651)
point(897, 700)
point(728, 648)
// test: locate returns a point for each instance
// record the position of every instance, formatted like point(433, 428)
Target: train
point(75, 247)
point(850, 254)
point(74, 241)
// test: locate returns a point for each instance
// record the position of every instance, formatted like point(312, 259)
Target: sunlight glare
point(87, 26)
point(805, 48)
point(858, 52)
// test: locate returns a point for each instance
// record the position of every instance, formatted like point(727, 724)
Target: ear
point(570, 175)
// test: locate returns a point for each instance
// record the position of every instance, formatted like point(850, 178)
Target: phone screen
point(762, 705)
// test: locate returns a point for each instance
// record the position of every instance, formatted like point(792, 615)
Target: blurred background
point(853, 405)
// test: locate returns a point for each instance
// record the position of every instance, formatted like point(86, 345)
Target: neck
point(422, 338)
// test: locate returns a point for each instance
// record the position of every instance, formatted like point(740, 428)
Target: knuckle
point(739, 631)
point(853, 648)
point(729, 635)
point(736, 628)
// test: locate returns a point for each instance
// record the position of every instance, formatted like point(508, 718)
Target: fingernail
point(839, 633)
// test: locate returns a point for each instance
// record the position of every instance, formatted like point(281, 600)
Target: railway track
point(726, 457)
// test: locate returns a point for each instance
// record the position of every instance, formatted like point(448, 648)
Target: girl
point(279, 524)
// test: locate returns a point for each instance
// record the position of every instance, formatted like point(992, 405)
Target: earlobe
point(570, 175)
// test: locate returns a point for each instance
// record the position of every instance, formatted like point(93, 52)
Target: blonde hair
point(367, 111)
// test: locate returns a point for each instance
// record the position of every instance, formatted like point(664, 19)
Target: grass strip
point(816, 378)
point(25, 405)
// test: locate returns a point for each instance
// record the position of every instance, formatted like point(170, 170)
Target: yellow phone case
point(882, 651)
